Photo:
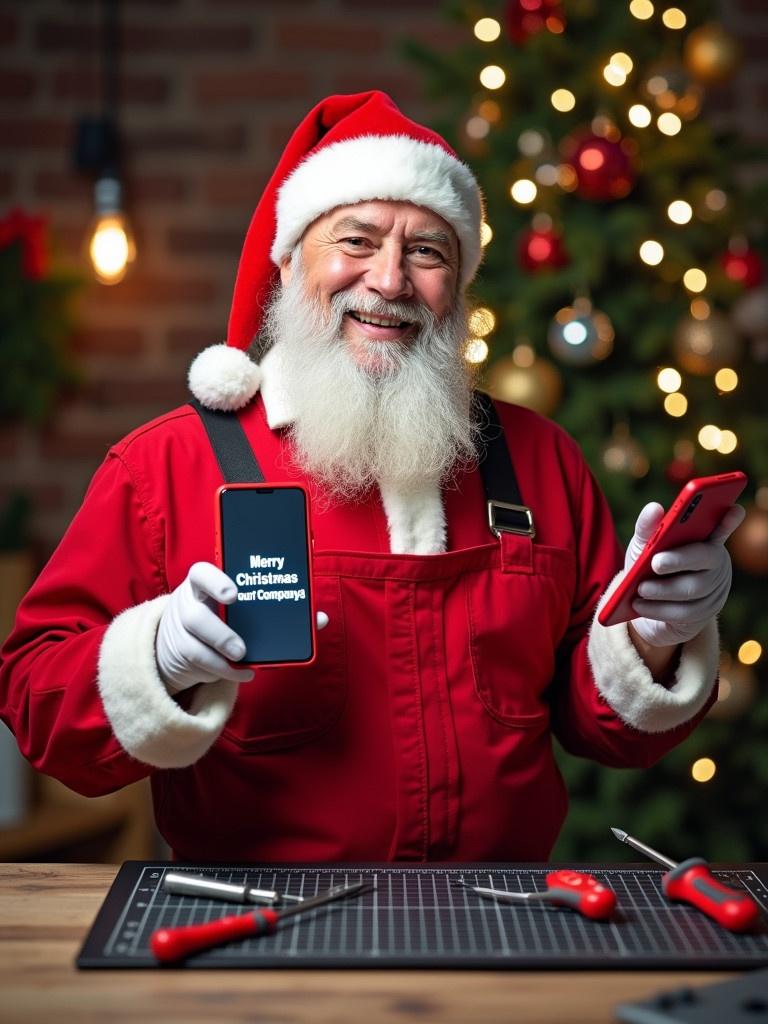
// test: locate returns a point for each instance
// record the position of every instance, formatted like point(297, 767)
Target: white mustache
point(372, 305)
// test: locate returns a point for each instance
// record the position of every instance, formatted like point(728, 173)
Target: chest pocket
point(516, 619)
point(287, 706)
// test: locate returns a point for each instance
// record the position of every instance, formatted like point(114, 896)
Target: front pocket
point(515, 623)
point(286, 706)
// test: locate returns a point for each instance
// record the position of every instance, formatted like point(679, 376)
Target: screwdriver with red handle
point(691, 881)
point(170, 944)
point(565, 888)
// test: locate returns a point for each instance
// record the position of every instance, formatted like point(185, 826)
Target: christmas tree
point(623, 295)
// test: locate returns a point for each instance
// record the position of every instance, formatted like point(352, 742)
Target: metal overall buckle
point(518, 519)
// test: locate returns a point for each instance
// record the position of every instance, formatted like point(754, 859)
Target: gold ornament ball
point(704, 346)
point(623, 454)
point(749, 543)
point(537, 386)
point(711, 54)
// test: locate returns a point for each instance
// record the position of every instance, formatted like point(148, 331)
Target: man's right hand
point(193, 643)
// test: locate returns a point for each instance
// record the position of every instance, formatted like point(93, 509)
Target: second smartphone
point(263, 544)
point(692, 517)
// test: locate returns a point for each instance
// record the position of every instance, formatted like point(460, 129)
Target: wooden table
point(46, 910)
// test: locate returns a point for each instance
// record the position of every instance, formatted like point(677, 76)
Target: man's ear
point(286, 270)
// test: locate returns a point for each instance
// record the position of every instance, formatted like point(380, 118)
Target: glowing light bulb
point(703, 769)
point(651, 252)
point(487, 30)
point(563, 100)
point(482, 321)
point(727, 443)
point(476, 351)
point(639, 115)
point(486, 233)
point(676, 404)
point(674, 18)
point(726, 379)
point(709, 437)
point(679, 212)
point(523, 191)
point(622, 61)
point(668, 123)
point(669, 379)
point(750, 652)
point(641, 9)
point(695, 280)
point(614, 75)
point(700, 309)
point(110, 243)
point(493, 77)
point(477, 127)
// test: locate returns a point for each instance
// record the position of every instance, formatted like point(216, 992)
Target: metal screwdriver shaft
point(648, 851)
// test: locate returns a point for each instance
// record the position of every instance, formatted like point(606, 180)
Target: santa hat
point(348, 149)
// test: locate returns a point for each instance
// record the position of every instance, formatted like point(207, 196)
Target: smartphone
point(693, 516)
point(263, 543)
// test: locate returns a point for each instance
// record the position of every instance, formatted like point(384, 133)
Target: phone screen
point(264, 550)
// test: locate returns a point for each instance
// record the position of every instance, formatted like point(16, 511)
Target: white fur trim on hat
point(625, 681)
point(223, 377)
point(394, 167)
point(146, 720)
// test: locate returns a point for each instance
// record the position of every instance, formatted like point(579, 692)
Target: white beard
point(403, 419)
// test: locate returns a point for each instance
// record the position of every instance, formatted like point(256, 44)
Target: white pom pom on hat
point(348, 149)
point(224, 378)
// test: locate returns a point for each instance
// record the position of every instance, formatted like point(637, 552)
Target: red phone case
point(683, 524)
point(218, 552)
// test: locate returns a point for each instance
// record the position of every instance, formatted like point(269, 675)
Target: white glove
point(193, 643)
point(674, 610)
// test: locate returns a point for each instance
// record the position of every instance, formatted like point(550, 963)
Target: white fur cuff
point(625, 681)
point(146, 720)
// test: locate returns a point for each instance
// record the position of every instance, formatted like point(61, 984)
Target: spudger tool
point(169, 944)
point(209, 888)
point(565, 888)
point(691, 881)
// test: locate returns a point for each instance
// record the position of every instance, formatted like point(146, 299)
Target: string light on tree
point(487, 30)
point(726, 380)
point(695, 280)
point(639, 115)
point(618, 68)
point(492, 76)
point(679, 211)
point(750, 652)
point(531, 143)
point(669, 380)
point(563, 100)
point(674, 18)
point(476, 350)
point(486, 233)
point(703, 769)
point(523, 191)
point(651, 252)
point(482, 321)
point(641, 9)
point(668, 123)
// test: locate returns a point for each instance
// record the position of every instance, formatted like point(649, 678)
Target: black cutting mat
point(415, 917)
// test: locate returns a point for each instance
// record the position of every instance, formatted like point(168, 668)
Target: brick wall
point(211, 90)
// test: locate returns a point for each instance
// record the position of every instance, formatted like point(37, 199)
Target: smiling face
point(399, 263)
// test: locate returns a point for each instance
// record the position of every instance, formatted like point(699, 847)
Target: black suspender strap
point(233, 452)
point(506, 511)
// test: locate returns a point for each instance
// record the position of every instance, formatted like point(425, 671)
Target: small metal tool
point(208, 888)
point(565, 888)
point(692, 882)
point(169, 944)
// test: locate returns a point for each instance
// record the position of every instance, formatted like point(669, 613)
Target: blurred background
point(623, 151)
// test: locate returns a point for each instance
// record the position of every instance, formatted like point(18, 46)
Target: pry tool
point(170, 944)
point(565, 888)
point(691, 881)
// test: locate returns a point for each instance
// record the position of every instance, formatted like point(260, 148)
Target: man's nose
point(387, 274)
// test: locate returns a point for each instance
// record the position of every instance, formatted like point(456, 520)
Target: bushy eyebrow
point(367, 228)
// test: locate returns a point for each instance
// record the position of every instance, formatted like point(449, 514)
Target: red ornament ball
point(542, 250)
point(743, 265)
point(603, 168)
point(525, 18)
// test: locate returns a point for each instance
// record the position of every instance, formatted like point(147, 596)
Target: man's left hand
point(675, 608)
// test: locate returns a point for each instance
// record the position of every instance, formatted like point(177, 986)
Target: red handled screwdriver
point(692, 882)
point(169, 944)
point(565, 888)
